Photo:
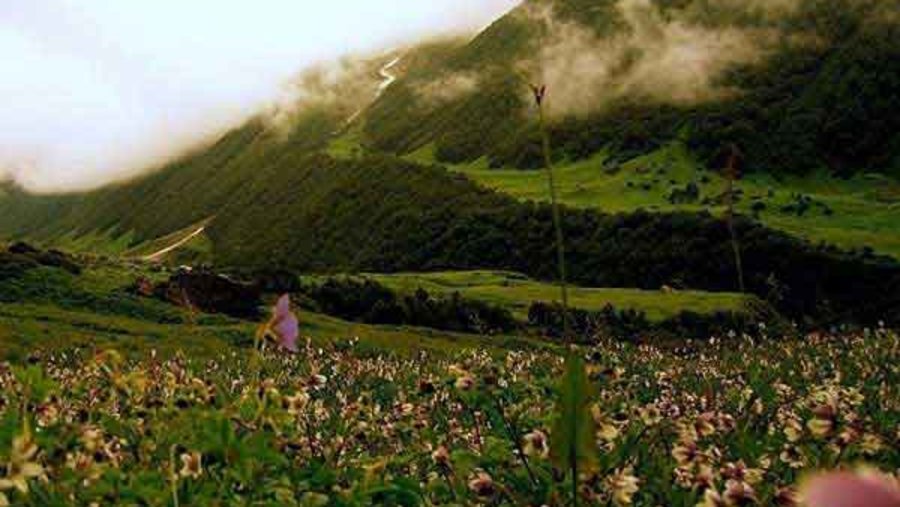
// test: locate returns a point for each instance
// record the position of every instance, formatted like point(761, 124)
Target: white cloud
point(97, 90)
point(658, 58)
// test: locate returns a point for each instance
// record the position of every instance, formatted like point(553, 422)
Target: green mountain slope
point(820, 95)
point(854, 213)
point(195, 188)
point(272, 196)
point(381, 214)
point(812, 113)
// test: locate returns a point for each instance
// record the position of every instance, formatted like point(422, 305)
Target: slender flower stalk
point(731, 175)
point(516, 439)
point(540, 93)
point(173, 476)
point(573, 405)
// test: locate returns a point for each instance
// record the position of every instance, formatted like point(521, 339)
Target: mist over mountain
point(800, 85)
point(115, 115)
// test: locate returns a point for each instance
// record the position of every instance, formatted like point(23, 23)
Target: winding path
point(387, 80)
point(174, 246)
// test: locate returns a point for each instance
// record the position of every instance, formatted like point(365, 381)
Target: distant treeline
point(365, 300)
point(372, 303)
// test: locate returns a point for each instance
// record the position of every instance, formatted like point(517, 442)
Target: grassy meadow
point(111, 398)
point(47, 309)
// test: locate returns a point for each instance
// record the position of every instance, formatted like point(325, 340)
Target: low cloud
point(655, 57)
point(343, 86)
point(447, 88)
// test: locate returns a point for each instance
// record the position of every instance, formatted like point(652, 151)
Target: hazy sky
point(94, 90)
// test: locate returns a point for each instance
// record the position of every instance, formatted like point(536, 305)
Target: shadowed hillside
point(181, 194)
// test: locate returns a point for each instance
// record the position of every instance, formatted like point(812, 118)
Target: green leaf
point(36, 383)
point(312, 499)
point(572, 443)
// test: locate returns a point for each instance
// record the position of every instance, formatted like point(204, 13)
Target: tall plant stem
point(516, 439)
point(173, 476)
point(539, 94)
point(729, 217)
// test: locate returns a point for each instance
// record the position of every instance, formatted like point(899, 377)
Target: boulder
point(211, 293)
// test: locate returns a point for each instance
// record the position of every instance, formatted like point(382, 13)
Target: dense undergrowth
point(729, 422)
point(630, 325)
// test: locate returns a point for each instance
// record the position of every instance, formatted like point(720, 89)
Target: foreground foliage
point(725, 423)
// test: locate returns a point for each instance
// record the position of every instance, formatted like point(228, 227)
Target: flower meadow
point(715, 422)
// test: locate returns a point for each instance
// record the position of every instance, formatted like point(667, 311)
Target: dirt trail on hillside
point(175, 246)
point(388, 79)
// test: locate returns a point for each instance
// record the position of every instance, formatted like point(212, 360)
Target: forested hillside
point(385, 215)
point(314, 213)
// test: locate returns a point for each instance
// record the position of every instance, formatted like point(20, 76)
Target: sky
point(95, 91)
